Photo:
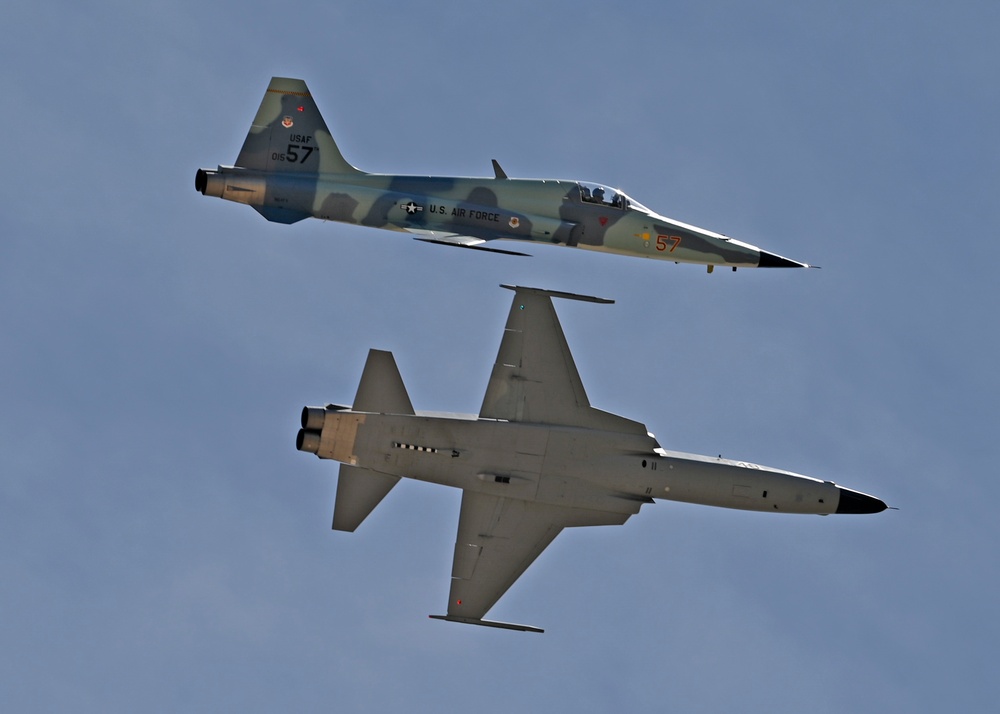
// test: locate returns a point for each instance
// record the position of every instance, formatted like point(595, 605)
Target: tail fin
point(289, 134)
point(381, 389)
point(358, 492)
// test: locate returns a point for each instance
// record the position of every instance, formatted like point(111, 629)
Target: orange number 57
point(661, 242)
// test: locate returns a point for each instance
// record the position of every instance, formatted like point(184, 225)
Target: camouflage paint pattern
point(290, 168)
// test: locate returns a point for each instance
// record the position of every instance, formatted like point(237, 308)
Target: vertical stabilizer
point(289, 134)
point(359, 490)
point(381, 390)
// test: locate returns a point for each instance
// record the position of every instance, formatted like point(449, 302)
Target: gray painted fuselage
point(565, 466)
point(538, 458)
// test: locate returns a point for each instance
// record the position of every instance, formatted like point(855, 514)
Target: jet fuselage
point(290, 168)
point(546, 211)
point(556, 465)
point(537, 458)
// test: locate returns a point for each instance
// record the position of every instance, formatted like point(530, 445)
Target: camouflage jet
point(290, 168)
point(537, 459)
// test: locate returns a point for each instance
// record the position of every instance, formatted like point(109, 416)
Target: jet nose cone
point(770, 260)
point(857, 502)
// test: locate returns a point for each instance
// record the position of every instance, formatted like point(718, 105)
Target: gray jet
point(290, 168)
point(537, 459)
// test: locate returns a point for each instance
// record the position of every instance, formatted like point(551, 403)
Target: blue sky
point(165, 547)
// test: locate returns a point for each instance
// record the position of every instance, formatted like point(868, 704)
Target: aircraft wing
point(535, 378)
point(458, 240)
point(498, 538)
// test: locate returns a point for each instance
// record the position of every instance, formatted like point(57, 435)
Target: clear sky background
point(164, 548)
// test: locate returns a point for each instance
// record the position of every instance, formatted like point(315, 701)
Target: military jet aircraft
point(290, 168)
point(537, 459)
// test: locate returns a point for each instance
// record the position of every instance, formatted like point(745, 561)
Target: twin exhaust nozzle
point(308, 438)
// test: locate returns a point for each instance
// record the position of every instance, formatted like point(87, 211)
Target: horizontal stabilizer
point(488, 623)
point(358, 492)
point(381, 390)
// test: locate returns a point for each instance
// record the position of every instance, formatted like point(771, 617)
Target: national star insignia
point(411, 207)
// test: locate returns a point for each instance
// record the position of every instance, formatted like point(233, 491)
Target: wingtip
point(487, 623)
point(559, 294)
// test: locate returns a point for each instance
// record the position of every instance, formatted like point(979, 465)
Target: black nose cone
point(856, 502)
point(770, 260)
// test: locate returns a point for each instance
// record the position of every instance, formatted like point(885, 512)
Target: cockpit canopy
point(602, 195)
